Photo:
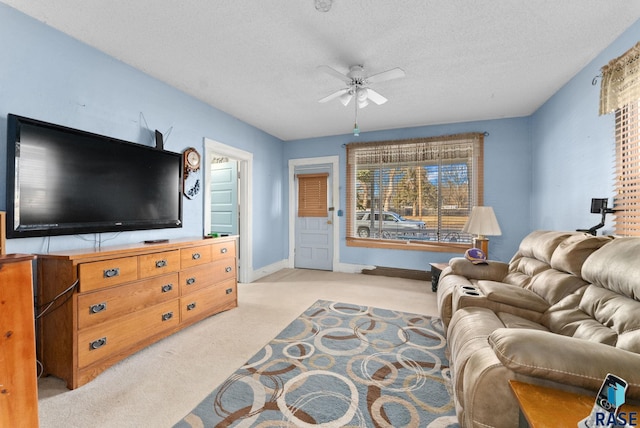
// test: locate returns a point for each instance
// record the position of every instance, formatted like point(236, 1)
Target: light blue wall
point(540, 171)
point(507, 185)
point(47, 75)
point(573, 149)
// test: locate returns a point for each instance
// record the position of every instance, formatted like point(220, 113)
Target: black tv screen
point(63, 181)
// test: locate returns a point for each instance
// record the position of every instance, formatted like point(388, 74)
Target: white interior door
point(314, 229)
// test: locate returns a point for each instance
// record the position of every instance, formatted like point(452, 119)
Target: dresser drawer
point(195, 256)
point(104, 305)
point(208, 301)
point(158, 263)
point(195, 278)
point(116, 336)
point(224, 269)
point(97, 275)
point(222, 250)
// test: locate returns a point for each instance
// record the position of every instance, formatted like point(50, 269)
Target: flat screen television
point(63, 181)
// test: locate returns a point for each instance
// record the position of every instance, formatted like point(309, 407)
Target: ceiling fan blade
point(394, 73)
point(375, 97)
point(335, 73)
point(334, 95)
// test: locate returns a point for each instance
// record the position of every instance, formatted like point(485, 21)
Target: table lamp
point(482, 222)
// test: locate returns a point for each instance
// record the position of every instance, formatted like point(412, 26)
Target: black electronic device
point(159, 140)
point(598, 204)
point(63, 181)
point(156, 241)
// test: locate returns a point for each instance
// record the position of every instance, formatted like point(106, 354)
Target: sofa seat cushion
point(553, 285)
point(514, 321)
point(513, 296)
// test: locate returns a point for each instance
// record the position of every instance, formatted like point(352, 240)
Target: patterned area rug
point(339, 364)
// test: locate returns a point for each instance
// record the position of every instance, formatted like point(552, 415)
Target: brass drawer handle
point(161, 264)
point(167, 287)
point(195, 256)
point(228, 269)
point(110, 273)
point(98, 343)
point(99, 307)
point(191, 306)
point(223, 250)
point(191, 281)
point(167, 316)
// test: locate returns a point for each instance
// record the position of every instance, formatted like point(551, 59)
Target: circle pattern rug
point(339, 364)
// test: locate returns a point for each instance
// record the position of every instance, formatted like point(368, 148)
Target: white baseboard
point(268, 270)
point(284, 264)
point(350, 268)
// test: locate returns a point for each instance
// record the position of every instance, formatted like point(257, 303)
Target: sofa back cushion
point(571, 253)
point(609, 309)
point(534, 256)
point(565, 274)
point(616, 267)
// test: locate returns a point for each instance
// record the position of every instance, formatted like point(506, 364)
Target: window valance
point(620, 81)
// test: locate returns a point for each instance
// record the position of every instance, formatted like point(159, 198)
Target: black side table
point(436, 270)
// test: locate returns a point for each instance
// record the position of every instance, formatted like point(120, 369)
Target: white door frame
point(335, 196)
point(245, 168)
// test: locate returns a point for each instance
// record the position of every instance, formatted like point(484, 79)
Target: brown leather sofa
point(564, 312)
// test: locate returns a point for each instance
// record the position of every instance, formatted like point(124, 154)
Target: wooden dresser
point(122, 299)
point(18, 372)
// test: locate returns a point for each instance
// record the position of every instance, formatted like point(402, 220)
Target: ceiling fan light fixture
point(345, 98)
point(323, 5)
point(361, 96)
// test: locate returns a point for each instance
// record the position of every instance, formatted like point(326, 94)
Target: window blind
point(312, 195)
point(626, 201)
point(620, 92)
point(433, 180)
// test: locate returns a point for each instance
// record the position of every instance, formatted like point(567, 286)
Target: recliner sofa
point(564, 312)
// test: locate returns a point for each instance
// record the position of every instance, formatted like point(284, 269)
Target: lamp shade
point(482, 222)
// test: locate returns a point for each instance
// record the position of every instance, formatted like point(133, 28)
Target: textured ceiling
point(258, 60)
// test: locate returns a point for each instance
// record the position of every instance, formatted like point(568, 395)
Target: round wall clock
point(191, 160)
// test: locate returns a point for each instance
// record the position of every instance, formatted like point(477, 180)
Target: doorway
point(227, 198)
point(313, 238)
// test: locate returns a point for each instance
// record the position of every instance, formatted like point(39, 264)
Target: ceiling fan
point(358, 85)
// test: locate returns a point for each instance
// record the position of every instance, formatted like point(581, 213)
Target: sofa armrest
point(564, 359)
point(492, 270)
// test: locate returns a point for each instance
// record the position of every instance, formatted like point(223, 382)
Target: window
point(413, 194)
point(620, 92)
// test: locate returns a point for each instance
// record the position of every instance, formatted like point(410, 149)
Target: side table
point(544, 407)
point(436, 270)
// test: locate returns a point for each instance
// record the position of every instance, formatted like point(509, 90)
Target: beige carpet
point(159, 385)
